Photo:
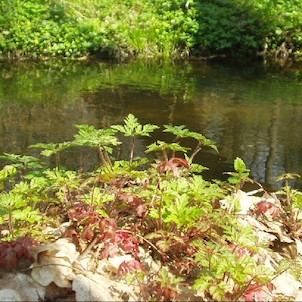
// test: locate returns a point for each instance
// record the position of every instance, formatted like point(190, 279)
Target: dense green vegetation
point(132, 28)
point(164, 205)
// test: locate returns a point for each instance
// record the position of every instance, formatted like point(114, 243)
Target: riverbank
point(153, 228)
point(150, 29)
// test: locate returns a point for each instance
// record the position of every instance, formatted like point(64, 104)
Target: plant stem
point(10, 222)
point(84, 161)
point(196, 150)
point(160, 213)
point(103, 159)
point(57, 159)
point(165, 155)
point(132, 149)
point(108, 160)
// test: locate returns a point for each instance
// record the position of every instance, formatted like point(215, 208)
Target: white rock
point(287, 285)
point(246, 202)
point(116, 261)
point(95, 287)
point(9, 295)
point(20, 287)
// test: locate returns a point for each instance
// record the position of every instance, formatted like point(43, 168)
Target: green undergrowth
point(150, 28)
point(160, 203)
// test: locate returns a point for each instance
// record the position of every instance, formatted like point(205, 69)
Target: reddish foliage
point(88, 233)
point(165, 293)
point(92, 224)
point(135, 202)
point(240, 251)
point(127, 242)
point(104, 229)
point(258, 293)
point(122, 241)
point(108, 228)
point(83, 214)
point(128, 266)
point(73, 234)
point(173, 165)
point(17, 254)
point(265, 207)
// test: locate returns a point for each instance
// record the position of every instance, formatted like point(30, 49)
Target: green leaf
point(91, 137)
point(133, 128)
point(203, 140)
point(52, 148)
point(10, 201)
point(239, 165)
point(234, 180)
point(27, 214)
point(178, 131)
point(7, 171)
point(161, 146)
point(297, 199)
point(22, 160)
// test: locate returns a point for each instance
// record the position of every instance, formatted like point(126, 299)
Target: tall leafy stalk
point(132, 128)
point(181, 132)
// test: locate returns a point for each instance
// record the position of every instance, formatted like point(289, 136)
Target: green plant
point(13, 211)
point(165, 210)
point(102, 139)
point(39, 28)
point(292, 204)
point(241, 174)
point(133, 129)
point(181, 132)
point(227, 271)
point(157, 28)
point(52, 148)
point(17, 206)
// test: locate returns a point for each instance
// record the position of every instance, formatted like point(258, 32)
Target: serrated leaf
point(161, 146)
point(297, 199)
point(133, 128)
point(48, 153)
point(90, 136)
point(234, 180)
point(239, 165)
point(179, 131)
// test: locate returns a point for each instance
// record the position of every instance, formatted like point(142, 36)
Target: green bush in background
point(149, 28)
point(45, 28)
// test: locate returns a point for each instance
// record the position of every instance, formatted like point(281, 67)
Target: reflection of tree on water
point(273, 142)
point(265, 134)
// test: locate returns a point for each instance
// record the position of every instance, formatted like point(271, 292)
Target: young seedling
point(292, 203)
point(241, 174)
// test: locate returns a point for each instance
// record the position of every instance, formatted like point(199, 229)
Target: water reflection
point(249, 110)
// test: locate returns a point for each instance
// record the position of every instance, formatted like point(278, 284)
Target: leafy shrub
point(43, 28)
point(148, 28)
point(169, 28)
point(285, 25)
point(231, 26)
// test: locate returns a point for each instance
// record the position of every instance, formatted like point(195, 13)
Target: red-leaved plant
point(16, 255)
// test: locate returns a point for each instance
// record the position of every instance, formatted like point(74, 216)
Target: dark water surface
point(250, 109)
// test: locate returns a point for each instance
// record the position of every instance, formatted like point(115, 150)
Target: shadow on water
point(249, 109)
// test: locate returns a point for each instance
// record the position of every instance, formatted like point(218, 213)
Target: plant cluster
point(169, 28)
point(17, 254)
point(161, 206)
point(44, 28)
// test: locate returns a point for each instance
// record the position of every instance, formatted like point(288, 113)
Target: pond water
point(249, 109)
